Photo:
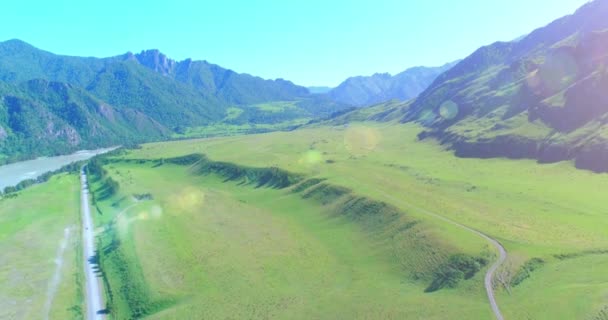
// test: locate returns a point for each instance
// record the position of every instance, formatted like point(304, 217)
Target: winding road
point(93, 294)
point(490, 274)
point(502, 254)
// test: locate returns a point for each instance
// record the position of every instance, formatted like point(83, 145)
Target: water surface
point(12, 174)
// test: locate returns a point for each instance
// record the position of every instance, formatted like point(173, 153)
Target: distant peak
point(129, 56)
point(156, 60)
point(16, 43)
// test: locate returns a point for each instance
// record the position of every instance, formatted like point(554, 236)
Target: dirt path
point(93, 292)
point(488, 281)
point(490, 275)
point(56, 279)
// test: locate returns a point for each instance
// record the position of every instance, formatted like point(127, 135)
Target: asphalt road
point(93, 294)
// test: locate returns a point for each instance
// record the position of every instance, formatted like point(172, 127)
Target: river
point(12, 174)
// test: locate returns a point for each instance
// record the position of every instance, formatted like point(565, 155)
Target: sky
point(314, 42)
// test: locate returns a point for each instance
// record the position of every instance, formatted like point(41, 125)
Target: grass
point(278, 106)
point(225, 129)
point(233, 113)
point(536, 211)
point(568, 289)
point(214, 248)
point(32, 226)
point(258, 118)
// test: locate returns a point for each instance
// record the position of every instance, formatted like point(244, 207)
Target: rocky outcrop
point(156, 61)
point(503, 146)
point(593, 157)
point(3, 133)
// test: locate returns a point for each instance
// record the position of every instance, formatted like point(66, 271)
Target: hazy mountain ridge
point(380, 87)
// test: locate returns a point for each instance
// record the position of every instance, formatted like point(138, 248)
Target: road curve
point(490, 273)
point(93, 294)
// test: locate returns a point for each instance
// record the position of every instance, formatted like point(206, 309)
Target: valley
point(471, 189)
point(408, 243)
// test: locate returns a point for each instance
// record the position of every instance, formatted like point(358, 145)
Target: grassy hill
point(540, 97)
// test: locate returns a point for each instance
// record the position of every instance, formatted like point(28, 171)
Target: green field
point(34, 226)
point(206, 248)
point(223, 129)
point(279, 106)
point(322, 222)
point(257, 118)
point(554, 213)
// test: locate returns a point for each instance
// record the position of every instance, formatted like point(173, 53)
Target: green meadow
point(40, 252)
point(550, 218)
point(344, 222)
point(199, 247)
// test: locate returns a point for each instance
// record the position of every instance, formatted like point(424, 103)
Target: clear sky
point(314, 42)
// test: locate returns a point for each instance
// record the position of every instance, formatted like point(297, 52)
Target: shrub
point(458, 267)
point(526, 270)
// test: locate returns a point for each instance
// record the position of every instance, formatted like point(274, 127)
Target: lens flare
point(558, 72)
point(187, 199)
point(448, 110)
point(156, 212)
point(361, 140)
point(311, 158)
point(142, 216)
point(124, 221)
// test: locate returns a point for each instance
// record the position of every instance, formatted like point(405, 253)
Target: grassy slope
point(534, 210)
point(225, 129)
point(263, 117)
point(31, 229)
point(225, 250)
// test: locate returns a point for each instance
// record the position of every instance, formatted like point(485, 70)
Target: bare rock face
point(3, 133)
point(594, 158)
point(67, 133)
point(106, 111)
point(502, 146)
point(71, 136)
point(156, 61)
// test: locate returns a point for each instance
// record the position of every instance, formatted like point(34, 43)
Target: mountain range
point(55, 104)
point(543, 96)
point(363, 91)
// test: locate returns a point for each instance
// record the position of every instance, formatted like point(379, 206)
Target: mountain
point(48, 118)
point(225, 84)
point(544, 96)
point(362, 91)
point(21, 62)
point(55, 103)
